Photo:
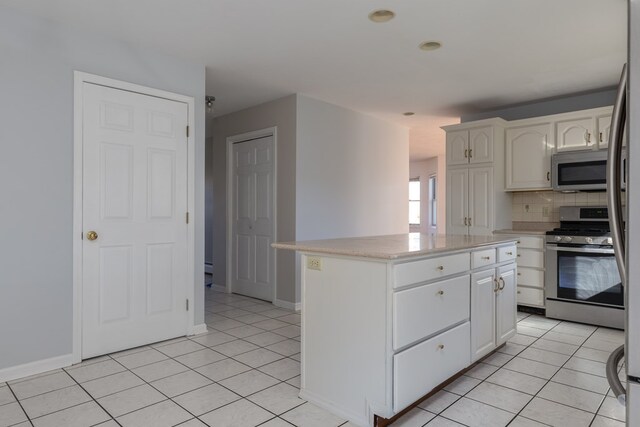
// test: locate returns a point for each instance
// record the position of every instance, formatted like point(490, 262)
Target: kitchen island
point(388, 319)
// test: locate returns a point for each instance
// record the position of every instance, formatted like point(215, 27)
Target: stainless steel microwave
point(582, 171)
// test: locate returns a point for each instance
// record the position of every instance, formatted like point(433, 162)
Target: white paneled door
point(253, 218)
point(134, 198)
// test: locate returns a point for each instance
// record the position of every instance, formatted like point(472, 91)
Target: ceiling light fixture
point(430, 45)
point(408, 113)
point(209, 102)
point(382, 15)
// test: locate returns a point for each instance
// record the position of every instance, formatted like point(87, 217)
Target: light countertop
point(394, 246)
point(521, 232)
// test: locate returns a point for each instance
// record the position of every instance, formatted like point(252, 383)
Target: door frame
point(79, 79)
point(247, 136)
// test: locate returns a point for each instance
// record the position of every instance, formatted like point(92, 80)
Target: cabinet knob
point(519, 274)
point(509, 253)
point(440, 346)
point(600, 136)
point(440, 292)
point(519, 292)
point(518, 255)
point(548, 176)
point(486, 258)
point(518, 242)
point(440, 268)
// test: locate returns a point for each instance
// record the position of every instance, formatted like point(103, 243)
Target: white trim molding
point(200, 329)
point(288, 305)
point(271, 131)
point(79, 79)
point(34, 368)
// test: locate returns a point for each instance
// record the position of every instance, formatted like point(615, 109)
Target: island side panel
point(345, 336)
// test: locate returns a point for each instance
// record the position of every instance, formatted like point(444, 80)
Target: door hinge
point(187, 305)
point(187, 131)
point(187, 217)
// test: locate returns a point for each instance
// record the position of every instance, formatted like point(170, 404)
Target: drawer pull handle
point(440, 292)
point(496, 285)
point(519, 255)
point(509, 253)
point(440, 346)
point(502, 284)
point(440, 268)
point(486, 257)
point(518, 242)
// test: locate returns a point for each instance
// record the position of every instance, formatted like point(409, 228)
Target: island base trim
point(379, 421)
point(334, 408)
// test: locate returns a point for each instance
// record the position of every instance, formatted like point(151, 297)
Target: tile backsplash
point(544, 206)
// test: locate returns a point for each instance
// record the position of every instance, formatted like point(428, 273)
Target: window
point(414, 201)
point(432, 201)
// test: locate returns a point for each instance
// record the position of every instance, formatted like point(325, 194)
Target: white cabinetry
point(529, 157)
point(398, 328)
point(531, 142)
point(575, 133)
point(530, 273)
point(493, 309)
point(476, 201)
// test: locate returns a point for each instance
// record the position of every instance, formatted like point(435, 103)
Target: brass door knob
point(92, 235)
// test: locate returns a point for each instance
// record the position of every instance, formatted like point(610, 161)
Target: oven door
point(584, 274)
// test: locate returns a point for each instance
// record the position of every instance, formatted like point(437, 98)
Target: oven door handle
point(580, 250)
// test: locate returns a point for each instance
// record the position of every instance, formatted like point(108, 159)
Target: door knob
point(92, 235)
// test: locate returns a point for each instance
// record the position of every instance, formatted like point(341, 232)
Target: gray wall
point(36, 171)
point(280, 113)
point(601, 98)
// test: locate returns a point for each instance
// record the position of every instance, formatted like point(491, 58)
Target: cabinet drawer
point(417, 370)
point(429, 269)
point(530, 277)
point(507, 253)
point(530, 242)
point(483, 258)
point(423, 311)
point(530, 258)
point(529, 296)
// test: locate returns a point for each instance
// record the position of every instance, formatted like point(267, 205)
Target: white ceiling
point(495, 52)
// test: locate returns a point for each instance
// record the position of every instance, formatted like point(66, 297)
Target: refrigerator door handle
point(614, 203)
point(614, 174)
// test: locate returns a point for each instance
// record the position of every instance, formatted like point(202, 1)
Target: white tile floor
point(246, 372)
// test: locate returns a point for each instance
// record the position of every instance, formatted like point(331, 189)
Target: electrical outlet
point(546, 212)
point(314, 263)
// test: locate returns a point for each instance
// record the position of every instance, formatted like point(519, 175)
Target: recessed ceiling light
point(430, 45)
point(408, 113)
point(381, 15)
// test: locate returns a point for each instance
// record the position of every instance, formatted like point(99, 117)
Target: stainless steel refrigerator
point(627, 236)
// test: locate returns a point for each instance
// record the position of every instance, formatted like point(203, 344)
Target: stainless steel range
point(582, 281)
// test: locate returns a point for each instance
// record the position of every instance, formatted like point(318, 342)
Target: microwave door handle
point(614, 184)
point(580, 250)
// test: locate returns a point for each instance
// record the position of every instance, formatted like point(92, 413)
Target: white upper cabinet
point(470, 146)
point(575, 134)
point(528, 162)
point(481, 145)
point(603, 125)
point(458, 147)
point(457, 201)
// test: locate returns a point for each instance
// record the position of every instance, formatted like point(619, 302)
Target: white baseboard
point(200, 329)
point(353, 418)
point(208, 268)
point(33, 368)
point(219, 288)
point(286, 304)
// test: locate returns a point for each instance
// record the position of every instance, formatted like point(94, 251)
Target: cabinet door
point(480, 218)
point(457, 201)
point(483, 317)
point(481, 145)
point(529, 151)
point(458, 147)
point(603, 124)
point(575, 134)
point(506, 305)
